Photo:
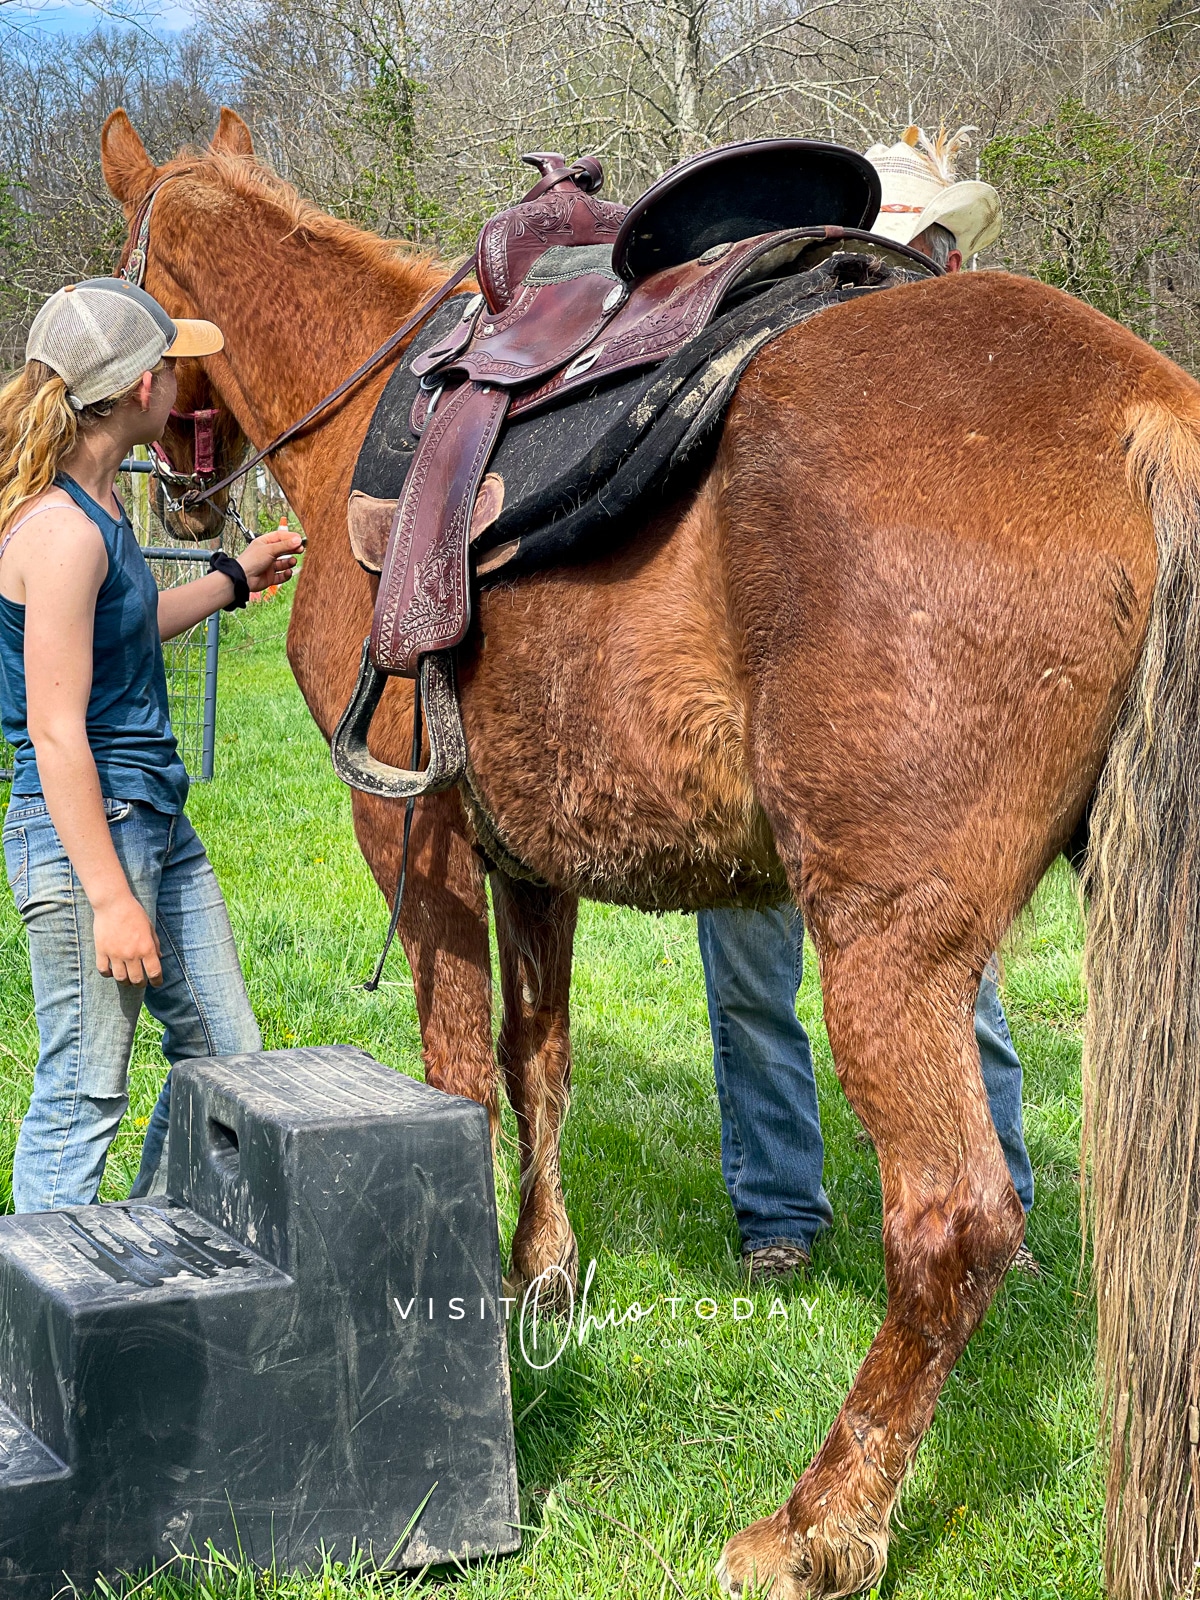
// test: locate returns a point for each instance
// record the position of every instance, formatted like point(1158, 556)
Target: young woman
point(118, 898)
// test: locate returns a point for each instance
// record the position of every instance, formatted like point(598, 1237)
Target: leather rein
point(132, 269)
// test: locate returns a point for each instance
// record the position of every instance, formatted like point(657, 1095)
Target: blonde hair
point(38, 430)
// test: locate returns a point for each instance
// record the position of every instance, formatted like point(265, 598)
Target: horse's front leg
point(904, 1045)
point(444, 930)
point(535, 934)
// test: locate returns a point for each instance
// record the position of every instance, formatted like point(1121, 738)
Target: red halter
point(203, 423)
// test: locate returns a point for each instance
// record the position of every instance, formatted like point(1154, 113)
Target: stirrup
point(355, 765)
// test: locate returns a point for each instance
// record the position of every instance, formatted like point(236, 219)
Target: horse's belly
point(606, 728)
point(655, 863)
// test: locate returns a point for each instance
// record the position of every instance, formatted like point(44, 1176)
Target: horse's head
point(203, 440)
point(215, 234)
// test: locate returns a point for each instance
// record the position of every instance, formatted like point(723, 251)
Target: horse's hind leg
point(900, 1023)
point(535, 932)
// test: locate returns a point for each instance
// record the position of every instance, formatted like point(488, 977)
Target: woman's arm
point(62, 570)
point(266, 560)
point(188, 603)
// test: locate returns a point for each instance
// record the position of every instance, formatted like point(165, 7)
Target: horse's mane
point(246, 177)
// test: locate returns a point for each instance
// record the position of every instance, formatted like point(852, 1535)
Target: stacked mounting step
point(303, 1345)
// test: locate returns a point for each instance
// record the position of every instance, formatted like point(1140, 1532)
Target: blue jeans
point(86, 1021)
point(771, 1148)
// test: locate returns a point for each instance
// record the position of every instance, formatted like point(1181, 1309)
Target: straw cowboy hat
point(919, 189)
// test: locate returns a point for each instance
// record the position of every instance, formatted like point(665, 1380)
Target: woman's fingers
point(127, 947)
point(277, 544)
point(137, 970)
point(271, 558)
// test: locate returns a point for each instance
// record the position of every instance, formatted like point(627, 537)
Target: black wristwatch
point(231, 569)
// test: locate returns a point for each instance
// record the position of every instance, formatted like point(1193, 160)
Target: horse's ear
point(232, 136)
point(128, 170)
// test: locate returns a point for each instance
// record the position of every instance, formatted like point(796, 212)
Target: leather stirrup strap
point(410, 806)
point(424, 599)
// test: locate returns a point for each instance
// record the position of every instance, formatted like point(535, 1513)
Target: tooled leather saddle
point(660, 304)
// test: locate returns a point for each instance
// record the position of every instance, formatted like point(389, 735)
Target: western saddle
point(575, 294)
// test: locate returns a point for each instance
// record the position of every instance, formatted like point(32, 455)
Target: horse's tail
point(1142, 1053)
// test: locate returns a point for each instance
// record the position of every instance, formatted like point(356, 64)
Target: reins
point(132, 269)
point(194, 497)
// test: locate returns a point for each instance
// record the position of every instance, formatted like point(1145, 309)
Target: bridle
point(182, 491)
point(132, 269)
point(203, 452)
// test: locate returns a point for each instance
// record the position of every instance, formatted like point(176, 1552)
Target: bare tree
point(57, 220)
point(409, 116)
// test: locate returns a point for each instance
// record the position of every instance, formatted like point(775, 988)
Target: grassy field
point(644, 1448)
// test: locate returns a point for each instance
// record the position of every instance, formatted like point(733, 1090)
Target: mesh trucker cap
point(102, 334)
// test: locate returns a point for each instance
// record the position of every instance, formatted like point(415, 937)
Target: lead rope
point(372, 983)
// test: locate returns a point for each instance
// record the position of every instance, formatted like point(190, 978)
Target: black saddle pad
point(572, 474)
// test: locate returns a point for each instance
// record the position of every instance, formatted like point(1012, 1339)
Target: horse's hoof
point(757, 1562)
point(557, 1281)
point(770, 1558)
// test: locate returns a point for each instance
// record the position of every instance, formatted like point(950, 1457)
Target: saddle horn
point(586, 173)
point(546, 161)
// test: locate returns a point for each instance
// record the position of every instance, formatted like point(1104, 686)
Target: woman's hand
point(266, 560)
point(270, 558)
point(126, 944)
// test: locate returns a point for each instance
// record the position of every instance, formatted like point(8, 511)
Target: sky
point(77, 16)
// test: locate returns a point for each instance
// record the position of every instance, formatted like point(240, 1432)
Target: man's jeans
point(771, 1147)
point(86, 1022)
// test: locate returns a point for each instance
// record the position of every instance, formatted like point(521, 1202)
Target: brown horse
point(937, 591)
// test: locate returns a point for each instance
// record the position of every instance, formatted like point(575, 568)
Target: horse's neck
point(298, 315)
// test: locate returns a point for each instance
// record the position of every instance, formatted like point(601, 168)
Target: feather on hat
point(920, 188)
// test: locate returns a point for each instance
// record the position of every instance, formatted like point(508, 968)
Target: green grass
point(681, 1431)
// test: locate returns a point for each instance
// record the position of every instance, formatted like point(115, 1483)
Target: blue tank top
point(128, 727)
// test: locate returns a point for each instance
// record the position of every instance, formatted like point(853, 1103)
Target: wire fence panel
point(191, 662)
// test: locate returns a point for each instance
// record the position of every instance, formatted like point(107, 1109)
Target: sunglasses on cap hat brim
point(194, 337)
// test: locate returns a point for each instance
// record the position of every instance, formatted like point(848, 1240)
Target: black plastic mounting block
point(299, 1347)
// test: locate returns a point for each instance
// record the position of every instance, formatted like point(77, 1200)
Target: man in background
point(772, 1152)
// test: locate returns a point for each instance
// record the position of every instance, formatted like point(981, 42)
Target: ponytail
point(38, 428)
